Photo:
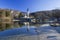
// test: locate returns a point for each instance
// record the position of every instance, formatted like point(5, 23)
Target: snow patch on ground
point(49, 33)
point(45, 25)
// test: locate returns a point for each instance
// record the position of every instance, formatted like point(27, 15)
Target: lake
point(30, 31)
point(20, 29)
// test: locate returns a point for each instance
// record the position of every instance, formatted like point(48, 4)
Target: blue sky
point(33, 5)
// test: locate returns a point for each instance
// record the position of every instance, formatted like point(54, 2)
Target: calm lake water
point(27, 29)
point(20, 29)
point(30, 31)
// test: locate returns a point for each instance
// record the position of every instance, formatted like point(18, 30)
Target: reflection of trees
point(8, 26)
point(18, 24)
point(1, 28)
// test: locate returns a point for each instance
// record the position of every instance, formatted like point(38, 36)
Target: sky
point(33, 5)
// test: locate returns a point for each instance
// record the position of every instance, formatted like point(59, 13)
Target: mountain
point(46, 14)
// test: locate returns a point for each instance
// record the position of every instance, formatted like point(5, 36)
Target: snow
point(49, 33)
point(45, 25)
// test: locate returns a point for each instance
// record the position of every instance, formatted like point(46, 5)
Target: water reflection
point(26, 25)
